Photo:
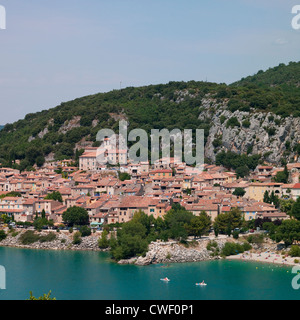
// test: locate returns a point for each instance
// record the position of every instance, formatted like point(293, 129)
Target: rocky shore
point(158, 252)
point(174, 252)
point(62, 241)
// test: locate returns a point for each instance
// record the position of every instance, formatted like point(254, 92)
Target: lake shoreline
point(63, 242)
point(158, 252)
point(83, 275)
point(265, 257)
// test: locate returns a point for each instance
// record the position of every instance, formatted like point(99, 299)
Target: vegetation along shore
point(180, 237)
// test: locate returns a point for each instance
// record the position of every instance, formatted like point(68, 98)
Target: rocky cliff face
point(251, 132)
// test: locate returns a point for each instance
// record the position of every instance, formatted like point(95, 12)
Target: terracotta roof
point(100, 215)
point(273, 214)
point(136, 202)
point(161, 171)
point(11, 210)
point(29, 201)
point(96, 204)
point(90, 154)
point(225, 208)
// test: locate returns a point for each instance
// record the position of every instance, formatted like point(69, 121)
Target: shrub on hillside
point(77, 238)
point(231, 248)
point(85, 231)
point(29, 237)
point(48, 238)
point(294, 251)
point(2, 235)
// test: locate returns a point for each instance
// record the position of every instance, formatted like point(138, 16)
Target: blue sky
point(55, 51)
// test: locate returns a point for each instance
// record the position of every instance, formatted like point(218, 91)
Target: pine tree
point(266, 197)
point(286, 173)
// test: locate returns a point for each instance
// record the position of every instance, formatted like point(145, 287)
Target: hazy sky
point(59, 50)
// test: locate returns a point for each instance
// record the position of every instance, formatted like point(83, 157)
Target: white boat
point(165, 279)
point(201, 284)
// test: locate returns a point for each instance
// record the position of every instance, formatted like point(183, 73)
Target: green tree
point(239, 192)
point(103, 242)
point(85, 231)
point(288, 232)
point(77, 238)
point(270, 227)
point(294, 251)
point(2, 235)
point(131, 241)
point(75, 216)
point(226, 222)
point(199, 225)
point(236, 218)
point(286, 205)
point(235, 234)
point(5, 218)
point(142, 218)
point(55, 195)
point(216, 230)
point(176, 221)
point(295, 211)
point(266, 197)
point(282, 176)
point(242, 171)
point(40, 160)
point(221, 222)
point(274, 199)
point(235, 248)
point(32, 154)
point(124, 176)
point(39, 223)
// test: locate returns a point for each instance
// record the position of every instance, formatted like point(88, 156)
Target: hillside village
point(151, 188)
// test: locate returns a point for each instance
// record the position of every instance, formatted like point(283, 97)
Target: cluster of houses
point(151, 188)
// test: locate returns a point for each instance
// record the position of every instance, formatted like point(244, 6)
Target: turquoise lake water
point(75, 275)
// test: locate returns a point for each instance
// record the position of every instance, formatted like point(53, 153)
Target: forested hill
point(57, 133)
point(277, 76)
point(280, 88)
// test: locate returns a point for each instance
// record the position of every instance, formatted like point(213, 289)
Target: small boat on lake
point(165, 279)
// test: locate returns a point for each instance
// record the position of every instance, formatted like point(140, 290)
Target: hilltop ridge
point(265, 106)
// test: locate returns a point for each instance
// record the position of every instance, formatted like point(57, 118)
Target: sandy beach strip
point(268, 257)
